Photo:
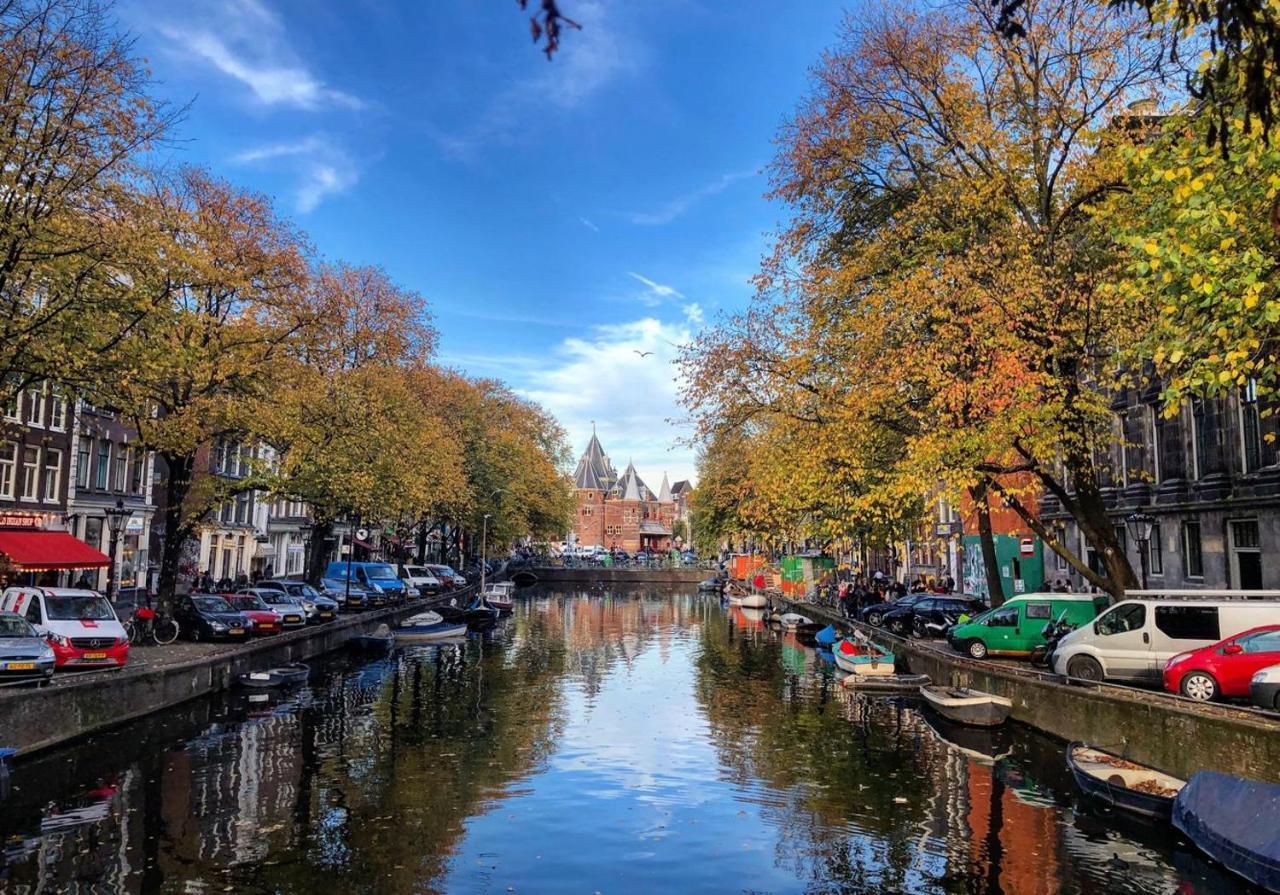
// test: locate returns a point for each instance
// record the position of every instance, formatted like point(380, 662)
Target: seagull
point(642, 353)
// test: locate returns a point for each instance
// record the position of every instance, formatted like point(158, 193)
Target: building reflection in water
point(381, 774)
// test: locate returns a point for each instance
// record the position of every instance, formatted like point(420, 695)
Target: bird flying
point(642, 353)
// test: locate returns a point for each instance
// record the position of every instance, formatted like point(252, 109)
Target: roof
point(594, 471)
point(38, 551)
point(681, 487)
point(664, 491)
point(632, 487)
point(654, 528)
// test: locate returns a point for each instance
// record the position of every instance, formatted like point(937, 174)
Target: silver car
point(24, 654)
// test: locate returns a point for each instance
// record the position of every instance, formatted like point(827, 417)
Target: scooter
point(930, 629)
point(1053, 632)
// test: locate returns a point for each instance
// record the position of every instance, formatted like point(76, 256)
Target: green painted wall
point(1018, 574)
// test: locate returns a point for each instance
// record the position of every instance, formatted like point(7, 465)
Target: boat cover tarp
point(827, 636)
point(1234, 821)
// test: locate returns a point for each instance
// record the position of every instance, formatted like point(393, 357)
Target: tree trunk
point(1091, 515)
point(176, 530)
point(316, 549)
point(982, 504)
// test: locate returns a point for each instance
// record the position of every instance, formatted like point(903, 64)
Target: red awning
point(38, 551)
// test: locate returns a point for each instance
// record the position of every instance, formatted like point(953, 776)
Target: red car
point(251, 606)
point(1225, 668)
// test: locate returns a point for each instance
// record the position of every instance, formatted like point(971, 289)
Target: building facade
point(229, 538)
point(619, 512)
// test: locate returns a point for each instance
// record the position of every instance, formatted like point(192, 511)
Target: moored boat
point(500, 596)
point(863, 658)
point(828, 636)
point(282, 676)
point(792, 621)
point(754, 601)
point(1235, 822)
point(886, 683)
point(966, 706)
point(714, 585)
point(1123, 784)
point(427, 626)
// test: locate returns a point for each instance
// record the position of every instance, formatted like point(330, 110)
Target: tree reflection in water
point(611, 741)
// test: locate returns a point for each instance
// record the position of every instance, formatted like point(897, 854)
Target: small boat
point(499, 596)
point(283, 676)
point(808, 634)
point(428, 626)
point(792, 621)
point(863, 658)
point(886, 683)
point(714, 585)
point(1123, 784)
point(966, 706)
point(754, 601)
point(828, 636)
point(1234, 821)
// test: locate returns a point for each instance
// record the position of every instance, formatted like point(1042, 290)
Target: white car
point(292, 610)
point(80, 625)
point(421, 580)
point(1264, 688)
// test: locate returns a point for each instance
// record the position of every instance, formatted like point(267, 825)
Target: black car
point(875, 613)
point(939, 609)
point(207, 617)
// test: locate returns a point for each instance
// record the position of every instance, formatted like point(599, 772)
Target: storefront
point(31, 554)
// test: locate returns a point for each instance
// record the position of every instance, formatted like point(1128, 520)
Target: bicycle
point(147, 623)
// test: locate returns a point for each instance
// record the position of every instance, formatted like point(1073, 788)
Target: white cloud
point(655, 292)
point(632, 399)
point(248, 42)
point(693, 313)
point(679, 205)
point(320, 168)
point(590, 226)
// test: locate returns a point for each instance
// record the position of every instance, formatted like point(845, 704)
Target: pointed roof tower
point(664, 490)
point(594, 471)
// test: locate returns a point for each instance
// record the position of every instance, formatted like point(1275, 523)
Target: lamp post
point(484, 536)
point(116, 517)
point(1141, 526)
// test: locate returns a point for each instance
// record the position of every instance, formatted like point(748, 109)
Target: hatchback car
point(876, 612)
point(251, 606)
point(447, 575)
point(290, 610)
point(210, 617)
point(320, 607)
point(939, 611)
point(348, 595)
point(1226, 668)
point(24, 654)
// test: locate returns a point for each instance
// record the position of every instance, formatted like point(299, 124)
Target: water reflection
point(597, 741)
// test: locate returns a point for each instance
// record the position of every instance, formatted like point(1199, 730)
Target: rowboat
point(885, 683)
point(792, 621)
point(966, 706)
point(428, 626)
point(863, 658)
point(754, 601)
point(1233, 821)
point(275, 677)
point(1123, 784)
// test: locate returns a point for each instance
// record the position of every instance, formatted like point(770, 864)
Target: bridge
point(622, 573)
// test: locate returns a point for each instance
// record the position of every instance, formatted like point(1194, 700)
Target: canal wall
point(32, 719)
point(610, 575)
point(1176, 735)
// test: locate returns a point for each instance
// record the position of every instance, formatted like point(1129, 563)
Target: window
point(1155, 553)
point(1199, 438)
point(35, 406)
point(93, 531)
point(228, 512)
point(1006, 617)
point(8, 468)
point(1192, 560)
point(1122, 619)
point(1246, 557)
point(1262, 642)
point(13, 410)
point(104, 465)
point(52, 474)
point(57, 409)
point(1188, 622)
point(83, 453)
point(121, 476)
point(243, 511)
point(30, 472)
point(139, 462)
point(1059, 562)
point(1121, 438)
point(1039, 610)
point(1250, 430)
point(1155, 431)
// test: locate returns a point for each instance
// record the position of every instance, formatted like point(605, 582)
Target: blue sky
point(560, 217)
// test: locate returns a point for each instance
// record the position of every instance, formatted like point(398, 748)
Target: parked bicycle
point(148, 624)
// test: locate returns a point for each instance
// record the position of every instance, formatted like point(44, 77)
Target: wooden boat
point(1123, 784)
point(966, 706)
point(428, 626)
point(754, 601)
point(886, 683)
point(283, 676)
point(792, 621)
point(863, 658)
point(1234, 821)
point(500, 596)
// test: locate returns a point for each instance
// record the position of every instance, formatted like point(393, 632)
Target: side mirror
point(1232, 649)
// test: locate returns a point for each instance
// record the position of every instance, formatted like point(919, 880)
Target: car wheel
point(1199, 685)
point(898, 626)
point(875, 618)
point(1085, 668)
point(976, 649)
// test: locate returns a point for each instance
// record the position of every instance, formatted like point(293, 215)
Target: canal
point(628, 741)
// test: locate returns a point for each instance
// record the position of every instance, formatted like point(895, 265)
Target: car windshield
point(380, 572)
point(12, 626)
point(86, 608)
point(303, 590)
point(448, 570)
point(285, 599)
point(247, 601)
point(416, 572)
point(212, 604)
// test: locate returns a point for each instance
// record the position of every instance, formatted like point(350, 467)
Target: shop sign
point(19, 520)
point(134, 525)
point(1027, 547)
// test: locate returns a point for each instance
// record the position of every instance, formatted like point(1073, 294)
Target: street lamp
point(116, 517)
point(484, 536)
point(1141, 526)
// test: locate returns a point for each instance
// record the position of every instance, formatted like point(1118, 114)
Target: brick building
point(619, 511)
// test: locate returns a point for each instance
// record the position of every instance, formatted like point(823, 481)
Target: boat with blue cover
point(827, 637)
point(1234, 821)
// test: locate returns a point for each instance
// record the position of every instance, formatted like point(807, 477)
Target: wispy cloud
point(590, 226)
point(681, 204)
point(246, 41)
point(320, 168)
point(655, 291)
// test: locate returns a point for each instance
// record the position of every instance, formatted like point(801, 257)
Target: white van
point(80, 625)
point(1134, 639)
point(420, 580)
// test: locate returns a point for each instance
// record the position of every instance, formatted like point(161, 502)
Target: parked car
point(210, 617)
point(80, 625)
point(1017, 627)
point(875, 613)
point(939, 610)
point(1134, 639)
point(289, 608)
point(348, 594)
point(379, 577)
point(447, 575)
point(252, 607)
point(1225, 669)
point(420, 580)
point(24, 654)
point(325, 605)
point(1264, 688)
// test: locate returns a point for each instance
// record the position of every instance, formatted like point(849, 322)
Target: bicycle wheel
point(164, 631)
point(131, 630)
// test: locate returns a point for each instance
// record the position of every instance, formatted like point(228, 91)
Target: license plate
point(292, 618)
point(95, 655)
point(326, 615)
point(266, 627)
point(237, 631)
point(22, 666)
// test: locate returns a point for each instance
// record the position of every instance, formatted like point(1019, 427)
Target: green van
point(1015, 629)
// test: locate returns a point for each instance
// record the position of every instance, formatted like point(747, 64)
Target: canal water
point(610, 742)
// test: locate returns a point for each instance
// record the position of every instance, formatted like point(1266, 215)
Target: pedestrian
point(83, 583)
point(950, 584)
